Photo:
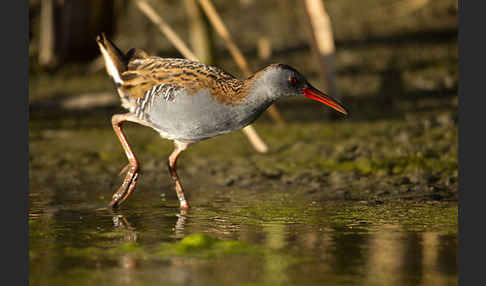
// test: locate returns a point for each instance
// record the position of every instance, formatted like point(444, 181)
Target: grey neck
point(262, 89)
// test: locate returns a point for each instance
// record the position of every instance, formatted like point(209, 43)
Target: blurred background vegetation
point(383, 49)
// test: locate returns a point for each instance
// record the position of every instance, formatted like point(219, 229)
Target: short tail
point(115, 60)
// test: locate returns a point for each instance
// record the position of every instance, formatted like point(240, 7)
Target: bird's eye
point(293, 81)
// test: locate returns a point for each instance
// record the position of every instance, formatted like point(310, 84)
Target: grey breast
point(192, 117)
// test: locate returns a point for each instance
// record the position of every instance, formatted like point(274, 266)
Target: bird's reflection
point(129, 262)
point(181, 222)
point(121, 222)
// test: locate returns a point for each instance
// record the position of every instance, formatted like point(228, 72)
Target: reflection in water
point(79, 244)
point(127, 262)
point(121, 223)
point(179, 226)
point(347, 253)
point(275, 265)
point(398, 258)
point(385, 256)
point(433, 274)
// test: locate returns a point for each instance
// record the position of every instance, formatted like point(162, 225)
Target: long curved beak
point(315, 94)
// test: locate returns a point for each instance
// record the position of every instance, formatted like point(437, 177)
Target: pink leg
point(179, 147)
point(130, 180)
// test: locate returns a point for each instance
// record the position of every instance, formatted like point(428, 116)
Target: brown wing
point(144, 72)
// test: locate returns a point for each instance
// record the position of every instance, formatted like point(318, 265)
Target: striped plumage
point(187, 101)
point(145, 73)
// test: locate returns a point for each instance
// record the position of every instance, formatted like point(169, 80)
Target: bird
point(187, 101)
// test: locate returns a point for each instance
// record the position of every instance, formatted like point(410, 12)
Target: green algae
point(127, 247)
point(205, 246)
point(86, 252)
point(410, 216)
point(194, 245)
point(112, 234)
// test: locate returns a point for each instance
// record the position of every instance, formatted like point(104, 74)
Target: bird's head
point(282, 80)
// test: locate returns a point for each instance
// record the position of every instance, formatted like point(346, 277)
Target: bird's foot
point(127, 186)
point(124, 169)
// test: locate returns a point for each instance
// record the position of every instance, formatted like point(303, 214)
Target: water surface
point(238, 237)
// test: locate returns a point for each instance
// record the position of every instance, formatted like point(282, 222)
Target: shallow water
point(237, 236)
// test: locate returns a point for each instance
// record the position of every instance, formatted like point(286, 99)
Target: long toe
point(126, 168)
point(125, 189)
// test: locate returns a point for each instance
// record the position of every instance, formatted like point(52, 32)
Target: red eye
point(293, 81)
